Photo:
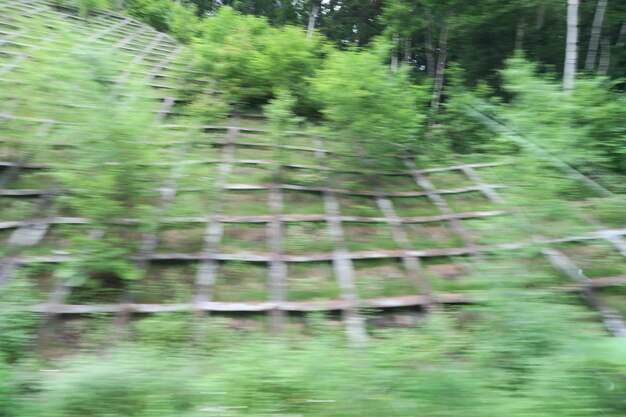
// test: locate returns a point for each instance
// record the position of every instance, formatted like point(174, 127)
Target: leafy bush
point(250, 59)
point(367, 105)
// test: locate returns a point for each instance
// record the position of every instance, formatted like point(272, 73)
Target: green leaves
point(367, 106)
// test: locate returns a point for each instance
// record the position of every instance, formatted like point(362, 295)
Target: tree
point(571, 42)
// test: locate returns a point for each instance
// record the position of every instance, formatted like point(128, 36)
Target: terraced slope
point(248, 226)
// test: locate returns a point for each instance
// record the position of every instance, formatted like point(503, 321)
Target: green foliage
point(367, 106)
point(86, 7)
point(107, 173)
point(179, 19)
point(16, 325)
point(584, 128)
point(251, 60)
point(282, 119)
point(131, 384)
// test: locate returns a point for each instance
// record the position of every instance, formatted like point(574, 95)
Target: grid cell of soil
point(306, 237)
point(246, 174)
point(352, 205)
point(99, 288)
point(126, 236)
point(595, 259)
point(302, 202)
point(450, 275)
point(414, 206)
point(17, 208)
point(190, 204)
point(449, 179)
point(241, 281)
point(432, 235)
point(398, 183)
point(311, 281)
point(495, 230)
point(254, 152)
point(305, 177)
point(382, 278)
point(166, 284)
point(470, 201)
point(35, 180)
point(181, 237)
point(200, 175)
point(367, 236)
point(614, 298)
point(38, 281)
point(348, 181)
point(239, 238)
point(62, 238)
point(246, 203)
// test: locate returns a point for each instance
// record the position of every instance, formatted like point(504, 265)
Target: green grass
point(197, 175)
point(39, 277)
point(353, 205)
point(470, 201)
point(305, 237)
point(302, 202)
point(32, 179)
point(596, 259)
point(414, 206)
point(452, 275)
point(432, 235)
point(166, 284)
point(306, 177)
point(368, 236)
point(398, 183)
point(17, 208)
point(499, 229)
point(241, 281)
point(181, 237)
point(311, 281)
point(191, 204)
point(254, 152)
point(239, 238)
point(449, 179)
point(248, 174)
point(246, 203)
point(382, 278)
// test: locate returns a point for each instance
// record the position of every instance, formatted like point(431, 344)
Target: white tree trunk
point(571, 45)
point(594, 39)
point(519, 34)
point(394, 54)
point(441, 65)
point(312, 18)
point(605, 56)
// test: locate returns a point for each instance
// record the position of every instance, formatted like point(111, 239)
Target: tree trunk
point(312, 18)
point(594, 39)
point(441, 65)
point(407, 50)
point(621, 38)
point(541, 14)
point(605, 56)
point(571, 45)
point(430, 55)
point(519, 34)
point(394, 54)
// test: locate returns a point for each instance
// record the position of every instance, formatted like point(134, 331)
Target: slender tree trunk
point(541, 14)
point(394, 54)
point(621, 38)
point(594, 39)
point(312, 18)
point(441, 65)
point(430, 55)
point(605, 56)
point(571, 45)
point(519, 34)
point(407, 50)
